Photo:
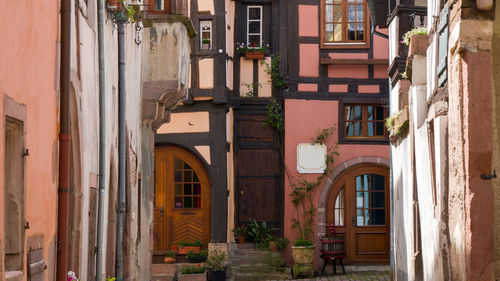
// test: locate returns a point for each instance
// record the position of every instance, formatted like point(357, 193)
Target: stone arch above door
point(331, 179)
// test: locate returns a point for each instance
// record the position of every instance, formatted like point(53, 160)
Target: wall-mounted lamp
point(489, 177)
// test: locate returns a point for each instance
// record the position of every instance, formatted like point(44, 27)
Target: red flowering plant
point(243, 48)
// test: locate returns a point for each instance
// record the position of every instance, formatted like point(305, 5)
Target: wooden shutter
point(442, 70)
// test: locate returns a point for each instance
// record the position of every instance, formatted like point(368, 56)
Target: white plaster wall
point(403, 230)
point(393, 43)
point(431, 253)
point(88, 103)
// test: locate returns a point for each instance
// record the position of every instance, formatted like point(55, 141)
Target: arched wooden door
point(358, 205)
point(182, 199)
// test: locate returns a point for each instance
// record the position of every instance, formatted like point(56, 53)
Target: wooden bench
point(332, 249)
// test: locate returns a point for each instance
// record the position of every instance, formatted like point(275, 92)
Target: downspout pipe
point(102, 138)
point(121, 151)
point(64, 143)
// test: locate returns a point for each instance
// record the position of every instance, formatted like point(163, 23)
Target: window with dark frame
point(344, 23)
point(206, 35)
point(160, 6)
point(365, 121)
point(254, 26)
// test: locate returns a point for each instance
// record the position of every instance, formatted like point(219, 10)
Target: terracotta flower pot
point(303, 254)
point(187, 249)
point(273, 246)
point(114, 5)
point(241, 239)
point(169, 260)
point(254, 55)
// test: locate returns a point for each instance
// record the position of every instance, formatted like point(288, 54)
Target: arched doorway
point(182, 199)
point(358, 206)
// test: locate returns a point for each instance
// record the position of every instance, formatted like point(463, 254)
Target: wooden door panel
point(257, 162)
point(189, 223)
point(255, 128)
point(257, 200)
point(371, 243)
point(187, 226)
point(364, 244)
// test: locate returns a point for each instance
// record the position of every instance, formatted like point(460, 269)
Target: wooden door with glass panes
point(358, 205)
point(182, 199)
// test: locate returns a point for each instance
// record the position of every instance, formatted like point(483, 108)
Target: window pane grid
point(344, 21)
point(254, 26)
point(370, 200)
point(365, 121)
point(187, 188)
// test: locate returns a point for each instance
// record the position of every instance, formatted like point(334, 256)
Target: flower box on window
point(254, 55)
point(114, 5)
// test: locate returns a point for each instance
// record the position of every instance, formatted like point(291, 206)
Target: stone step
point(259, 268)
point(259, 277)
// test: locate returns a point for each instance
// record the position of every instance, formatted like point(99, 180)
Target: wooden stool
point(328, 258)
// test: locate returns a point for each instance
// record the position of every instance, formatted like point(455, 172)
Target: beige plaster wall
point(246, 75)
point(206, 6)
point(230, 175)
point(206, 73)
point(264, 79)
point(186, 122)
point(496, 135)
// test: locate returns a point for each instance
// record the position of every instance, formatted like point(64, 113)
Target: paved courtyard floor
point(354, 276)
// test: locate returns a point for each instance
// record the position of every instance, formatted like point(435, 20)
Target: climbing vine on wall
point(302, 187)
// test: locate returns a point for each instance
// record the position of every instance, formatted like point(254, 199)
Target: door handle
point(161, 211)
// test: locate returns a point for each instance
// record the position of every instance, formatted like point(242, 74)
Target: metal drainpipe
point(121, 151)
point(64, 143)
point(102, 138)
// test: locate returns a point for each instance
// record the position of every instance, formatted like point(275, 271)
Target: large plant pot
point(303, 254)
point(219, 275)
point(187, 249)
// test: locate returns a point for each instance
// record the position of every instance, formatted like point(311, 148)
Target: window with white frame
point(206, 35)
point(254, 26)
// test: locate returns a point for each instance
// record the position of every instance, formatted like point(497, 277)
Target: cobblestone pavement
point(354, 276)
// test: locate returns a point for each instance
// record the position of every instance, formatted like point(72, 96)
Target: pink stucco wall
point(303, 120)
point(309, 60)
point(28, 75)
point(308, 24)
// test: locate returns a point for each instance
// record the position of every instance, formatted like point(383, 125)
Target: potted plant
point(170, 257)
point(261, 233)
point(197, 257)
point(302, 198)
point(192, 273)
point(278, 243)
point(241, 233)
point(215, 265)
point(252, 52)
point(186, 247)
point(205, 44)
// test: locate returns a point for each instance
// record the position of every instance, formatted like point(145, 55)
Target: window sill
point(354, 61)
point(345, 45)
